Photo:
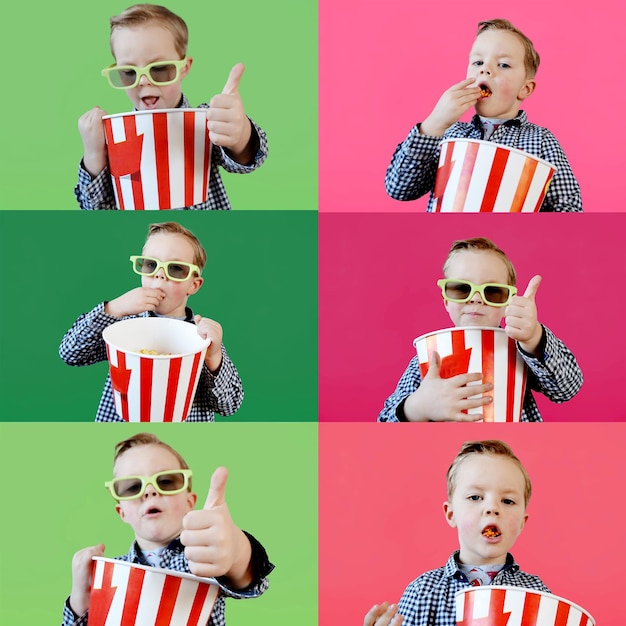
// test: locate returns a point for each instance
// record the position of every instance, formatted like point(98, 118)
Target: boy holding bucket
point(152, 489)
point(149, 44)
point(500, 76)
point(170, 266)
point(488, 492)
point(478, 290)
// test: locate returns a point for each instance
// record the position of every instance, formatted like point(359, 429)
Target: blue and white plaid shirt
point(556, 375)
point(173, 557)
point(430, 599)
point(97, 193)
point(83, 345)
point(413, 167)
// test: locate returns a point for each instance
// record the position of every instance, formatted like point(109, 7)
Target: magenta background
point(377, 292)
point(381, 522)
point(383, 66)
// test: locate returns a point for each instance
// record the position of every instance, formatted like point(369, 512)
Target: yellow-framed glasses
point(493, 294)
point(160, 73)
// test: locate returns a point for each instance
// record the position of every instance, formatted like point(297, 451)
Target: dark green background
point(58, 505)
point(56, 51)
point(260, 283)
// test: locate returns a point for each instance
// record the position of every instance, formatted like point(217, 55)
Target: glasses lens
point(123, 77)
point(456, 290)
point(127, 487)
point(165, 73)
point(146, 265)
point(177, 271)
point(497, 294)
point(173, 481)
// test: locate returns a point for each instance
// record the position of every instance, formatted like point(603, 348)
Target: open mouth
point(153, 511)
point(485, 92)
point(491, 532)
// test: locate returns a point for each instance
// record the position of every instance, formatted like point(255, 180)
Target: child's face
point(156, 519)
point(479, 267)
point(497, 60)
point(171, 247)
point(140, 46)
point(488, 499)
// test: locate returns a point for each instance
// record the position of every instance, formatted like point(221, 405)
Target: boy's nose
point(161, 274)
point(144, 80)
point(149, 492)
point(476, 298)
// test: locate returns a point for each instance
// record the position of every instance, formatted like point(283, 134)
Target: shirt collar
point(452, 568)
point(519, 120)
point(137, 557)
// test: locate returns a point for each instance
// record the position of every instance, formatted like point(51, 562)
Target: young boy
point(142, 37)
point(488, 492)
point(170, 267)
point(500, 76)
point(474, 267)
point(168, 532)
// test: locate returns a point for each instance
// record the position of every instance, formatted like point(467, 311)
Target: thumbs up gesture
point(521, 321)
point(227, 122)
point(214, 546)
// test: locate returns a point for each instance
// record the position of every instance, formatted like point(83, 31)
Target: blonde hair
point(147, 439)
point(493, 447)
point(531, 57)
point(141, 14)
point(174, 228)
point(479, 243)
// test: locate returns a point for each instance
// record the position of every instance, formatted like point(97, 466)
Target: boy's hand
point(451, 106)
point(135, 301)
point(228, 124)
point(214, 545)
point(210, 329)
point(521, 321)
point(444, 399)
point(91, 129)
point(82, 566)
point(384, 614)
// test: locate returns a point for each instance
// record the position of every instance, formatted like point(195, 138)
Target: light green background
point(58, 505)
point(260, 283)
point(56, 52)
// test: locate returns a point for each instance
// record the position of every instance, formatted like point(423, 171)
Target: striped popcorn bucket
point(469, 349)
point(126, 594)
point(158, 159)
point(157, 387)
point(481, 176)
point(515, 606)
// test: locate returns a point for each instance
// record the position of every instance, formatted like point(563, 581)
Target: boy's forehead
point(500, 42)
point(143, 43)
point(464, 261)
point(169, 247)
point(476, 468)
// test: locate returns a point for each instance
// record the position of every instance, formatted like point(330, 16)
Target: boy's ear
point(192, 498)
point(449, 514)
point(185, 69)
point(120, 511)
point(527, 89)
point(195, 285)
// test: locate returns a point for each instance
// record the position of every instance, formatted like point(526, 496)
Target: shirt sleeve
point(70, 618)
point(413, 167)
point(408, 383)
point(83, 343)
point(94, 194)
point(564, 191)
point(556, 374)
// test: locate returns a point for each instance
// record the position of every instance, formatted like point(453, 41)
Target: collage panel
point(398, 60)
point(62, 506)
point(378, 292)
point(259, 285)
point(382, 521)
point(278, 91)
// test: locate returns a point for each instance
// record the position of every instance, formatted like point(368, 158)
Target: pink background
point(381, 521)
point(377, 292)
point(383, 66)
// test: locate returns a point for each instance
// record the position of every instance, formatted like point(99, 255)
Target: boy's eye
point(474, 498)
point(478, 63)
point(508, 501)
point(504, 65)
point(149, 266)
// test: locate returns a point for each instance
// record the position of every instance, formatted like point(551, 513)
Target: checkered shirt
point(97, 193)
point(430, 599)
point(173, 557)
point(83, 345)
point(556, 375)
point(413, 167)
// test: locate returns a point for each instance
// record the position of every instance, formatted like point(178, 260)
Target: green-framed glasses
point(160, 73)
point(493, 294)
point(167, 483)
point(177, 271)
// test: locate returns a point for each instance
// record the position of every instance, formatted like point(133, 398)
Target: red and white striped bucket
point(158, 159)
point(469, 349)
point(127, 594)
point(515, 606)
point(154, 387)
point(481, 176)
